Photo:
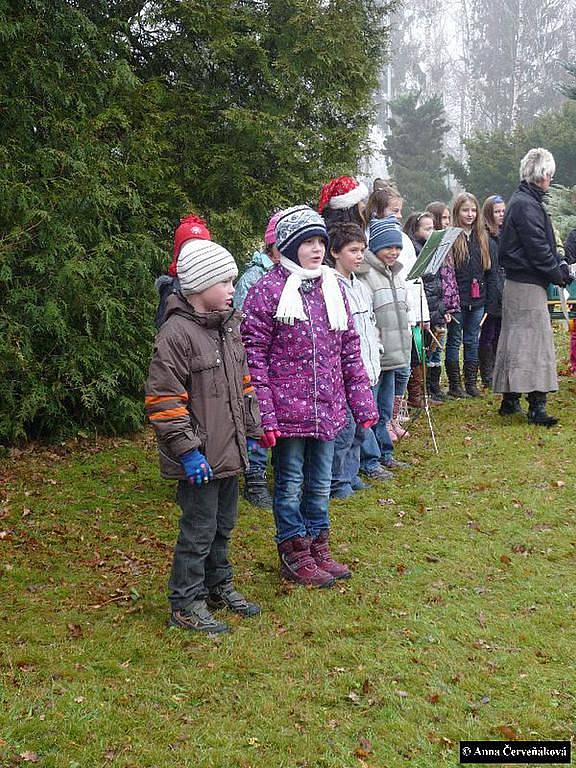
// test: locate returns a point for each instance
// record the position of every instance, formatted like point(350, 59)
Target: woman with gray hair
point(525, 359)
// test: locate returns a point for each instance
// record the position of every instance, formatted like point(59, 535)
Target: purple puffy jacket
point(303, 373)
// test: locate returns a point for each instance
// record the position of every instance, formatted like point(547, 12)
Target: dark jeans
point(490, 332)
point(302, 476)
point(346, 461)
point(468, 332)
point(201, 552)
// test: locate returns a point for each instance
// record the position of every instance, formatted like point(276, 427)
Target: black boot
point(454, 383)
point(486, 362)
point(256, 490)
point(510, 404)
point(470, 376)
point(434, 388)
point(537, 410)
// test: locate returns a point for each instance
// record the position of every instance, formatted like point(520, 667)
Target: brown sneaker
point(297, 564)
point(320, 551)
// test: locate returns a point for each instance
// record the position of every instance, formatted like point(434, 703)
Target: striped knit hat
point(202, 264)
point(384, 233)
point(294, 226)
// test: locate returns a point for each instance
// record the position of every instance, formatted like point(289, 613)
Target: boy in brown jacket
point(203, 408)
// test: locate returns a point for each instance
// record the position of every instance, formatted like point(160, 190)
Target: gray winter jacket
point(390, 301)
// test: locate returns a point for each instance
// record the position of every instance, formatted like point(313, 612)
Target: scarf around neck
point(290, 306)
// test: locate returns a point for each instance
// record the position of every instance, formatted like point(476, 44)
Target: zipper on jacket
point(315, 394)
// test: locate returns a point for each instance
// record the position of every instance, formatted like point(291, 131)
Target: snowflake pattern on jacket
point(304, 373)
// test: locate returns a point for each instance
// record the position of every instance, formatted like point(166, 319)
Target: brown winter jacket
point(198, 392)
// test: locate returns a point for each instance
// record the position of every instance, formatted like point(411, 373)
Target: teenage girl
point(472, 264)
point(493, 211)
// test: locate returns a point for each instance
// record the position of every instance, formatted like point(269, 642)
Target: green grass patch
point(458, 622)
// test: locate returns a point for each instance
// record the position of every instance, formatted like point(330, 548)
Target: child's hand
point(196, 467)
point(369, 423)
point(268, 439)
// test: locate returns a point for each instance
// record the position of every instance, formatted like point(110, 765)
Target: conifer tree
point(414, 149)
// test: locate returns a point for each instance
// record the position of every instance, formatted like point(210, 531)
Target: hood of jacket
point(178, 305)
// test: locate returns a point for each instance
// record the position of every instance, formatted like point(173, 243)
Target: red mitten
point(369, 423)
point(268, 439)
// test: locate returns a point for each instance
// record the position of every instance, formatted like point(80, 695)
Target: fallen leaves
point(29, 757)
point(507, 732)
point(364, 749)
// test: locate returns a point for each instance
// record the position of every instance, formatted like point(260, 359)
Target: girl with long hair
point(493, 212)
point(472, 254)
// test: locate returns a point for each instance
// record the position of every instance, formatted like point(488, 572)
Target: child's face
point(467, 214)
point(349, 258)
point(389, 255)
point(311, 253)
point(499, 211)
point(395, 208)
point(445, 219)
point(217, 298)
point(425, 228)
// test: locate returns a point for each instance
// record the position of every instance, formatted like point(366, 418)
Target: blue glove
point(196, 467)
point(251, 444)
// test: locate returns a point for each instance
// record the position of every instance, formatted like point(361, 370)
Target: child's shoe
point(392, 463)
point(391, 431)
point(197, 618)
point(399, 430)
point(359, 485)
point(379, 473)
point(342, 493)
point(225, 596)
point(297, 564)
point(320, 551)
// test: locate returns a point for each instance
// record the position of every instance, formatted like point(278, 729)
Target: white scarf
point(290, 306)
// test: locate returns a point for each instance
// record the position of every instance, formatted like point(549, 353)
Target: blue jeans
point(401, 378)
point(258, 458)
point(468, 331)
point(346, 461)
point(370, 452)
point(384, 396)
point(302, 475)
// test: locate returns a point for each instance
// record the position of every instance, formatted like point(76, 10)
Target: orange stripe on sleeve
point(246, 379)
point(247, 390)
point(172, 413)
point(154, 399)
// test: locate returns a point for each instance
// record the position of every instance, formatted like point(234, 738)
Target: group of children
point(310, 356)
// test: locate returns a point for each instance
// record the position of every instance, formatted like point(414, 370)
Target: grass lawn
point(457, 624)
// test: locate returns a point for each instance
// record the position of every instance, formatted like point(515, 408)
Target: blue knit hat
point(384, 233)
point(296, 225)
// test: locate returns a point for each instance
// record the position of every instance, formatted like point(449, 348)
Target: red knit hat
point(190, 228)
point(342, 193)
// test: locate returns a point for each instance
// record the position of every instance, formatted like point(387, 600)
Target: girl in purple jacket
point(304, 359)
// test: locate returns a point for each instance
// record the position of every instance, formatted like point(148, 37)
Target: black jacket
point(570, 247)
point(434, 293)
point(472, 270)
point(527, 244)
point(495, 285)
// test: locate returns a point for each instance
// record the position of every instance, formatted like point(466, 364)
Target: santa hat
point(341, 193)
point(190, 228)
